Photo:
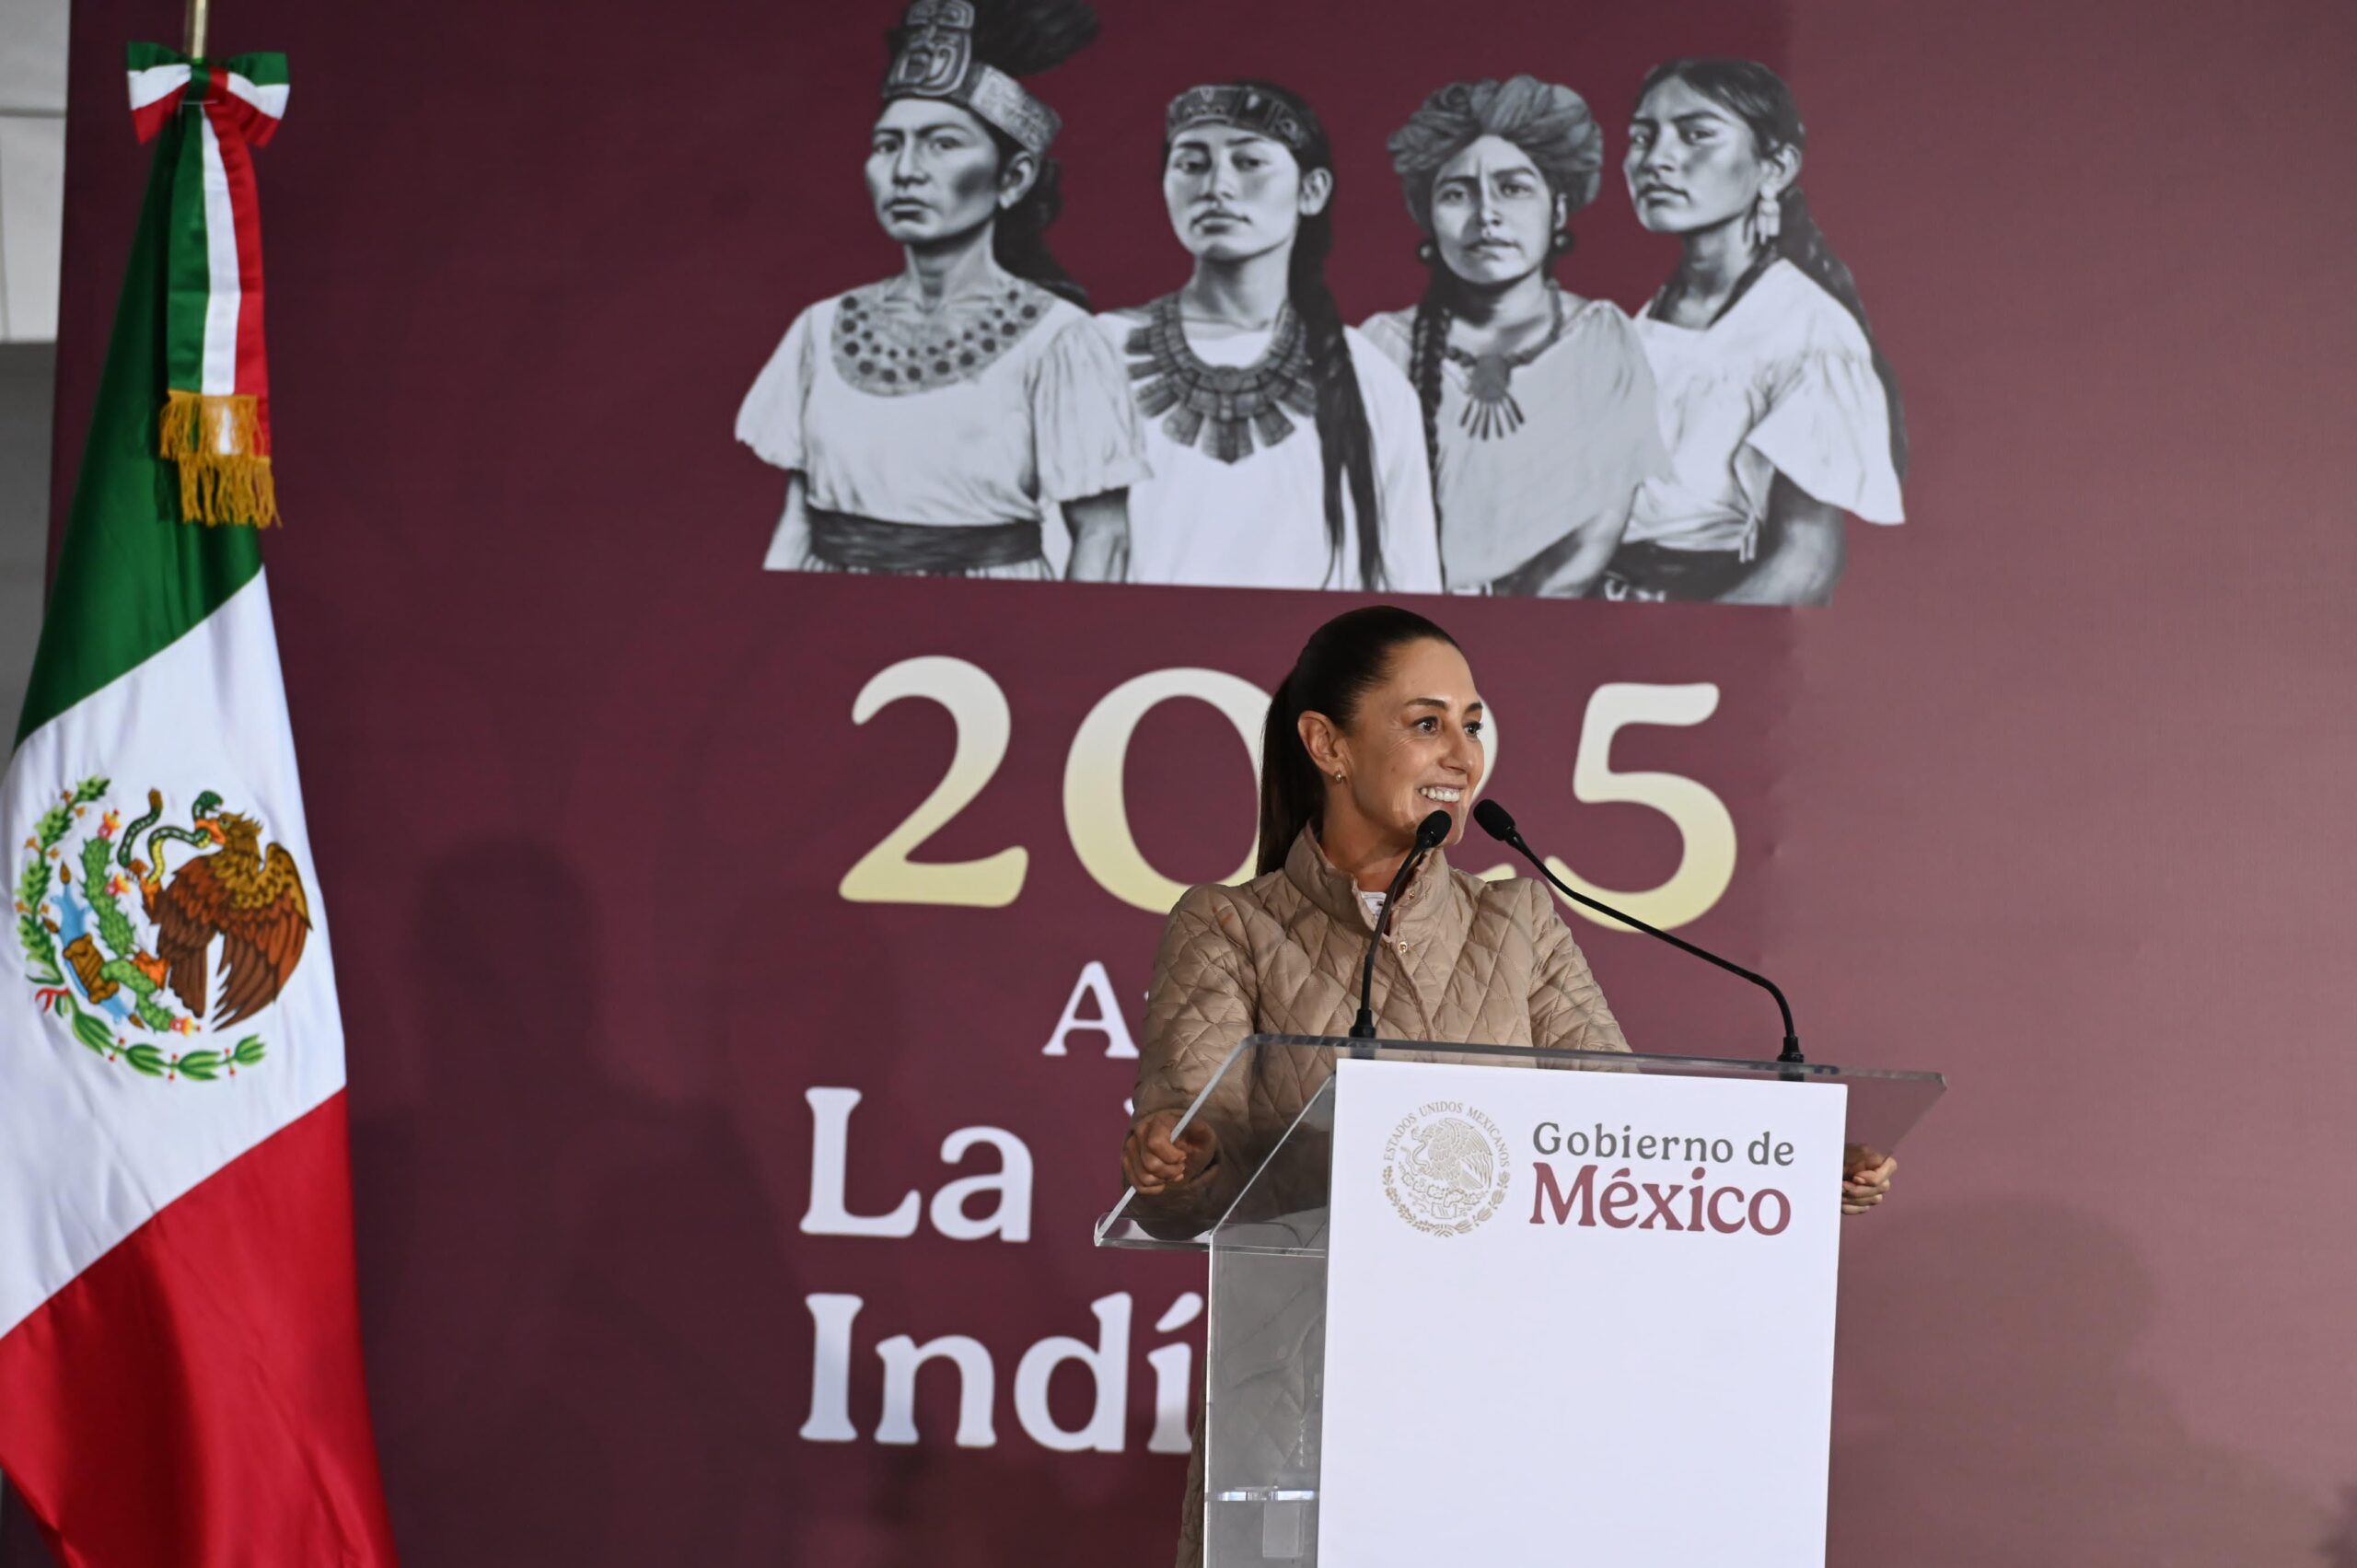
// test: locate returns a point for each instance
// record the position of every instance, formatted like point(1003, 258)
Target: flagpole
point(196, 20)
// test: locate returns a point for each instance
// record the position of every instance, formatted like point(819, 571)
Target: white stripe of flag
point(270, 100)
point(226, 292)
point(155, 83)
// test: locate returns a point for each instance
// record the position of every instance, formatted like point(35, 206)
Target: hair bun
point(1023, 38)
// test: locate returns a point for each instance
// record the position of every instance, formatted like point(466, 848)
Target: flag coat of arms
point(179, 1360)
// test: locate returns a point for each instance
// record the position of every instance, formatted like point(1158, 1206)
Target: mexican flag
point(180, 1352)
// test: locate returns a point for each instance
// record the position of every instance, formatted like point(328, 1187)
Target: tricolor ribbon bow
point(215, 422)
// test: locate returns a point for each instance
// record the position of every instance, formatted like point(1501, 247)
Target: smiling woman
point(1377, 725)
point(933, 423)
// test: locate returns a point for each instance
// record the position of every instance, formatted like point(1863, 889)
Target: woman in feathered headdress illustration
point(936, 423)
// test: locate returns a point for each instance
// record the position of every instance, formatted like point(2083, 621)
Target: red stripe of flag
point(238, 165)
point(194, 1398)
point(149, 119)
point(250, 122)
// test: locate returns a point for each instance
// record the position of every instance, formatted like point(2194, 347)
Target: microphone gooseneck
point(1498, 822)
point(1429, 833)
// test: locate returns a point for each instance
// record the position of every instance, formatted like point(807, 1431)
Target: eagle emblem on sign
point(1446, 1169)
point(143, 935)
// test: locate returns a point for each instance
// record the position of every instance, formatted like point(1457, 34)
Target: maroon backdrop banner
point(2053, 797)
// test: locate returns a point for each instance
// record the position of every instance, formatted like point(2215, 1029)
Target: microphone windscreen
point(1433, 828)
point(1495, 820)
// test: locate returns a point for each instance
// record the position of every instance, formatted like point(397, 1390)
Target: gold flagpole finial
point(196, 20)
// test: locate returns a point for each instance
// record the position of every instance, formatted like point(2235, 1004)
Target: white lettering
point(1173, 1385)
point(1108, 1365)
point(829, 1144)
point(1010, 1181)
point(1093, 986)
point(976, 1384)
point(830, 1369)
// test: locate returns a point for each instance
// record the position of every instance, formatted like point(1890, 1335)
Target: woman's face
point(1413, 747)
point(1494, 216)
point(935, 174)
point(1234, 195)
point(1694, 164)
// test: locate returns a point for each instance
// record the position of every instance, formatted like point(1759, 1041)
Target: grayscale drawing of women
point(1539, 407)
point(932, 423)
point(1285, 448)
point(1782, 415)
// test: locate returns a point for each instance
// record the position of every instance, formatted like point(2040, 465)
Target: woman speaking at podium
point(1378, 726)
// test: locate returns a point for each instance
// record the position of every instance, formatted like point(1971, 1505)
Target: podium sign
point(1484, 1304)
point(1578, 1317)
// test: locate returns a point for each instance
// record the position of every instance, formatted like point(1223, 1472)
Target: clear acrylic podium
point(1264, 1222)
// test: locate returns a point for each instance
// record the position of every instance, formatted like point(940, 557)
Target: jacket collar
point(1332, 890)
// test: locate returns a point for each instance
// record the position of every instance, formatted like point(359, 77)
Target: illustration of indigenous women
point(930, 422)
point(1285, 450)
point(1781, 414)
point(1537, 406)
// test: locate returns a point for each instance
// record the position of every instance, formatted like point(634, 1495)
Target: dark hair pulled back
point(1019, 234)
point(1757, 97)
point(1345, 441)
point(1342, 661)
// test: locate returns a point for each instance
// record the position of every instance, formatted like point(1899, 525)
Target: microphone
point(1429, 833)
point(1498, 822)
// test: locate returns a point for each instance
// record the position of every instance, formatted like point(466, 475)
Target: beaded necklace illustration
point(892, 353)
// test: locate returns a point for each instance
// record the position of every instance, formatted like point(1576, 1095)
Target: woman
point(1782, 414)
point(1284, 447)
point(1537, 404)
point(929, 423)
point(1377, 725)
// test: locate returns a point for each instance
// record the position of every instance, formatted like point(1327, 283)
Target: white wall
point(32, 196)
point(33, 165)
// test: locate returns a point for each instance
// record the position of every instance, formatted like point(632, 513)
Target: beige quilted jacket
point(1487, 963)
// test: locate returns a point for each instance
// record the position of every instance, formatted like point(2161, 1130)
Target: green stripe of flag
point(132, 578)
point(187, 261)
point(262, 70)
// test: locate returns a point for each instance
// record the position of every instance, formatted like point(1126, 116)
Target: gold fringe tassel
point(224, 477)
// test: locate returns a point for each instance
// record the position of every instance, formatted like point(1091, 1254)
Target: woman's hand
point(1865, 1178)
point(1154, 1161)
